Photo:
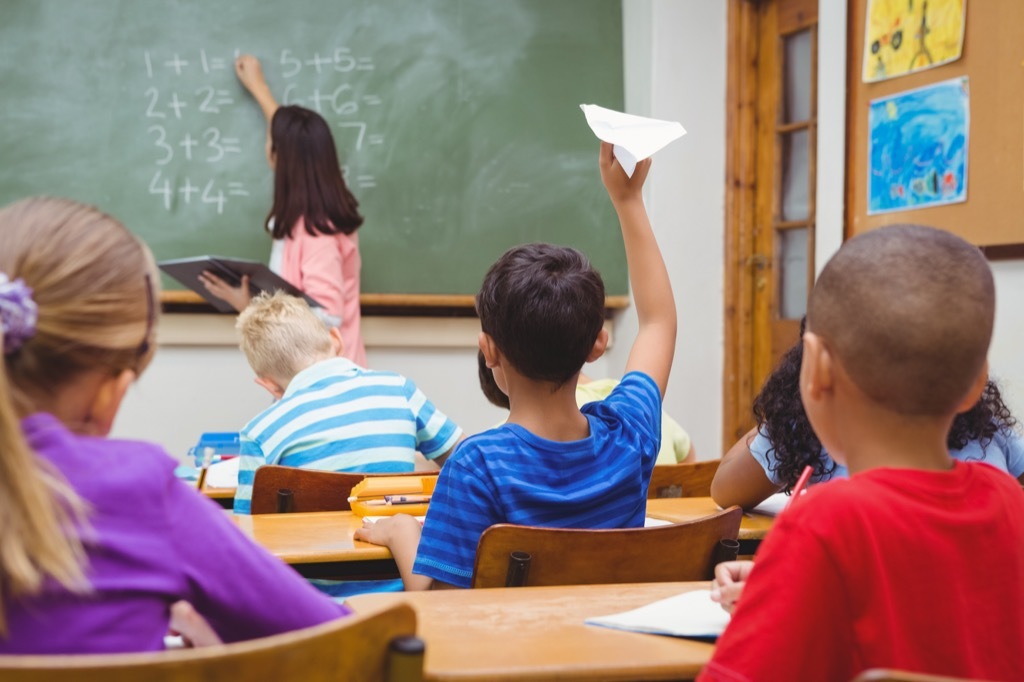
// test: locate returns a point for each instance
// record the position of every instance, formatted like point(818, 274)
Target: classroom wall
point(1006, 358)
point(674, 56)
point(675, 53)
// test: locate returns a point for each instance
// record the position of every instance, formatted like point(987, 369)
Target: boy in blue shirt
point(541, 310)
point(330, 413)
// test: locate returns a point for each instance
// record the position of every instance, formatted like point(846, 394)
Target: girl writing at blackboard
point(314, 217)
point(101, 546)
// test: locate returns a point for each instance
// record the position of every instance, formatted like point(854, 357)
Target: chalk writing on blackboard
point(193, 151)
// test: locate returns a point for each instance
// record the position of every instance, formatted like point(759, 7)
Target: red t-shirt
point(893, 568)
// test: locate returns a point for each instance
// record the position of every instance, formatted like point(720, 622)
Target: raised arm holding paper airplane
point(635, 138)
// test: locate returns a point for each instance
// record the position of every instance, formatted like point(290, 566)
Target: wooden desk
point(225, 497)
point(319, 544)
point(537, 633)
point(679, 509)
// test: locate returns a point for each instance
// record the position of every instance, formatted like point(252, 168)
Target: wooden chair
point(882, 675)
point(361, 647)
point(682, 480)
point(311, 490)
point(559, 556)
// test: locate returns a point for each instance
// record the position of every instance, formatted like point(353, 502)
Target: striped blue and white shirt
point(337, 416)
point(509, 475)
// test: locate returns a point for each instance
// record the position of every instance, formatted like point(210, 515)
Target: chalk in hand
point(635, 137)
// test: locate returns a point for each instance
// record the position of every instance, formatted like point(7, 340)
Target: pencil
point(801, 483)
point(207, 458)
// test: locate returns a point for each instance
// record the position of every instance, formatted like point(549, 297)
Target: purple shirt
point(155, 540)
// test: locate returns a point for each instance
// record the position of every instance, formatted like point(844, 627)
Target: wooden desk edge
point(218, 493)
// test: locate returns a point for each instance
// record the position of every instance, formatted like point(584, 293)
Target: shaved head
point(908, 312)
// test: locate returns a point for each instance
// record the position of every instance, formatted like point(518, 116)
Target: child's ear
point(600, 345)
point(816, 370)
point(488, 348)
point(272, 386)
point(337, 343)
point(107, 401)
point(977, 388)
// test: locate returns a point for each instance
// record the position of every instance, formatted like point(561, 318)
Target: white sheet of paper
point(651, 522)
point(634, 137)
point(223, 474)
point(691, 614)
point(773, 505)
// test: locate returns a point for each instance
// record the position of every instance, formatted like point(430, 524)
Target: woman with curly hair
point(770, 457)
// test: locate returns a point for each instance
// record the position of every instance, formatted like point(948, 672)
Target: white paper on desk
point(651, 522)
point(223, 474)
point(635, 137)
point(773, 505)
point(691, 614)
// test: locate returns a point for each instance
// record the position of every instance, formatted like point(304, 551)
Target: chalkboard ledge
point(395, 305)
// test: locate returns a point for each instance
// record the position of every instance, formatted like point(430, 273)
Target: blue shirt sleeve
point(1013, 446)
point(1005, 452)
point(462, 507)
point(636, 401)
point(761, 448)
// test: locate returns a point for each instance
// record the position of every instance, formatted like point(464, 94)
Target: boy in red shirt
point(916, 562)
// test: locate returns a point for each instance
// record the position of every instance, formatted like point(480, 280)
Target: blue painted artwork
point(917, 155)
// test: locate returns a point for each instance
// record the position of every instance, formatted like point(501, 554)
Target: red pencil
point(801, 483)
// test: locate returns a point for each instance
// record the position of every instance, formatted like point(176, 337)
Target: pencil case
point(390, 495)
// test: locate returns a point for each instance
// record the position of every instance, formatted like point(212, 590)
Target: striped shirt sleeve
point(436, 434)
point(250, 459)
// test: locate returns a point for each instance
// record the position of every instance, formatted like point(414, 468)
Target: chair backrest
point(559, 556)
point(881, 675)
point(311, 490)
point(683, 480)
point(357, 648)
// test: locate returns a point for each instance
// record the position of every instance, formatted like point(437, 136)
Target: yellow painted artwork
point(904, 36)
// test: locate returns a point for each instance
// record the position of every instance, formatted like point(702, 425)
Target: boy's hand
point(730, 577)
point(249, 72)
point(237, 297)
point(378, 533)
point(400, 534)
point(620, 186)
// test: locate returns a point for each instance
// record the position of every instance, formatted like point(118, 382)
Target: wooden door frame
point(740, 211)
point(752, 103)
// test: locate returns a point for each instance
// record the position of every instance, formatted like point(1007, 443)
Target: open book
point(231, 270)
point(690, 614)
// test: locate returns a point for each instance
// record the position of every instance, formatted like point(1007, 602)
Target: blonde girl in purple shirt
point(100, 542)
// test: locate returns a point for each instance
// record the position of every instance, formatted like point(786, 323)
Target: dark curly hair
point(781, 419)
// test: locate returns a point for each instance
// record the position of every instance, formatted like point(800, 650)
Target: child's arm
point(400, 534)
point(740, 479)
point(655, 341)
point(250, 73)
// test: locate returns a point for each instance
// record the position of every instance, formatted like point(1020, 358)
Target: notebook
point(691, 614)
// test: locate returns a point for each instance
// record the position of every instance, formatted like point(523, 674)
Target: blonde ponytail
point(93, 283)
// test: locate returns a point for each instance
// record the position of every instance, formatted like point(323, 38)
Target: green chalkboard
point(457, 122)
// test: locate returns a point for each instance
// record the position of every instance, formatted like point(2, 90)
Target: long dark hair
point(781, 418)
point(308, 182)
